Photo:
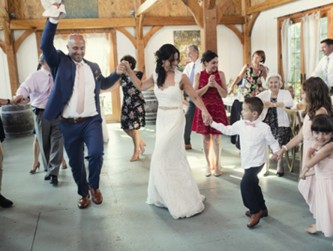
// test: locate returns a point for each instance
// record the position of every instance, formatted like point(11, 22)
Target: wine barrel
point(150, 107)
point(18, 120)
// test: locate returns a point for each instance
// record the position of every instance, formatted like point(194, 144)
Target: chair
point(295, 126)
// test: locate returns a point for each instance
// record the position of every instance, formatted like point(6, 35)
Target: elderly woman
point(275, 101)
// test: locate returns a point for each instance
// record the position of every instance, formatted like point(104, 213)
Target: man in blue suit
point(75, 98)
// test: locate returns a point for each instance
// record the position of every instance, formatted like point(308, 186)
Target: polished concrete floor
point(46, 218)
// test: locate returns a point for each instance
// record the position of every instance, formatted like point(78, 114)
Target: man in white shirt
point(191, 69)
point(324, 69)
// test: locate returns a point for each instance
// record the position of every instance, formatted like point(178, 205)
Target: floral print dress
point(253, 83)
point(133, 107)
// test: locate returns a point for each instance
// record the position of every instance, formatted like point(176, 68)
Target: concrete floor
point(45, 218)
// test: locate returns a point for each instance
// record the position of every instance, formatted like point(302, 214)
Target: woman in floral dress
point(132, 110)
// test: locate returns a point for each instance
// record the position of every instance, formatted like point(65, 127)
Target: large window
point(296, 53)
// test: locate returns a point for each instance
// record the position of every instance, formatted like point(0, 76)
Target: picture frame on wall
point(182, 39)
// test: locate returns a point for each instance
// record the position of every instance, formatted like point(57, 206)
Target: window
point(296, 63)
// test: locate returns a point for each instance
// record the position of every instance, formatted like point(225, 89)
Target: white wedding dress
point(171, 184)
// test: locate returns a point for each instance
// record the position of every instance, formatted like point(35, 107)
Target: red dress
point(214, 104)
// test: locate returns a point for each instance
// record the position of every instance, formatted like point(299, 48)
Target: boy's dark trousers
point(251, 192)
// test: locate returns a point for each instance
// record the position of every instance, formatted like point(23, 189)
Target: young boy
point(254, 138)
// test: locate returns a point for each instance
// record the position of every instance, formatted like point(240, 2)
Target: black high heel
point(34, 169)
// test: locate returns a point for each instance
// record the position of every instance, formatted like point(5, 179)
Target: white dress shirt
point(188, 68)
point(253, 140)
point(320, 70)
point(89, 97)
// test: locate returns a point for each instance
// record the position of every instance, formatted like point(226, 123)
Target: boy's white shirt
point(253, 140)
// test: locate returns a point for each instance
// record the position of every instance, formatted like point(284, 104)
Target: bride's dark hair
point(166, 52)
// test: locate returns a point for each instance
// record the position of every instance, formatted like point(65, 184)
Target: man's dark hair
point(328, 41)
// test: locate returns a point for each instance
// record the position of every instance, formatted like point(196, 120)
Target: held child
point(320, 158)
point(255, 135)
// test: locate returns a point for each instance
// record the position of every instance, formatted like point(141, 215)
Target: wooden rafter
point(266, 5)
point(128, 35)
point(21, 39)
point(146, 7)
point(238, 33)
point(196, 11)
point(251, 20)
point(151, 32)
point(210, 4)
point(2, 46)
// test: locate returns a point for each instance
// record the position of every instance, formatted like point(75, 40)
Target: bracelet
point(8, 101)
point(285, 147)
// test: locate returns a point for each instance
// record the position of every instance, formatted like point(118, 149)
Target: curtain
point(311, 41)
point(285, 49)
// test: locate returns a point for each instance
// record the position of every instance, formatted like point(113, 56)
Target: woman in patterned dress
point(211, 86)
point(275, 101)
point(252, 75)
point(132, 110)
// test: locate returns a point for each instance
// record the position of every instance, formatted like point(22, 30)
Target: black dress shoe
point(280, 174)
point(54, 180)
point(5, 203)
point(47, 177)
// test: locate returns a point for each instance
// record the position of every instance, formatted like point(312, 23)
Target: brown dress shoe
point(254, 219)
point(83, 202)
point(264, 213)
point(188, 146)
point(96, 196)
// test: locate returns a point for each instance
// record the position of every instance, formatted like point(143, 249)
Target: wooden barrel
point(150, 107)
point(17, 120)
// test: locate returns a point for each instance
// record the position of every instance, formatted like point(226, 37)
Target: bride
point(171, 184)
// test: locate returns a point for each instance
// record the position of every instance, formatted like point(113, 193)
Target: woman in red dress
point(210, 84)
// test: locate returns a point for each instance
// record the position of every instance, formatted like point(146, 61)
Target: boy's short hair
point(255, 104)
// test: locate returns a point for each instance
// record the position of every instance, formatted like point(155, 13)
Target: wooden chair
point(295, 126)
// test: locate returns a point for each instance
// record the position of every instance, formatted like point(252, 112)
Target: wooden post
point(208, 32)
point(9, 48)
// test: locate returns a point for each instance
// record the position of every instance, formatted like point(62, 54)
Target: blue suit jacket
point(63, 71)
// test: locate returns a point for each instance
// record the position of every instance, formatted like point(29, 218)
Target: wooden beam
point(267, 5)
point(21, 39)
point(196, 11)
point(209, 32)
point(69, 24)
point(108, 23)
point(127, 34)
point(238, 33)
point(210, 4)
point(146, 6)
point(151, 33)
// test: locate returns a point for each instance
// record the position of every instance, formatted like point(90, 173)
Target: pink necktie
point(249, 123)
point(80, 88)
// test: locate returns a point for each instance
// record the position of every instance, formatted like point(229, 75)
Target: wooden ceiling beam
point(196, 11)
point(146, 7)
point(107, 23)
point(266, 5)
